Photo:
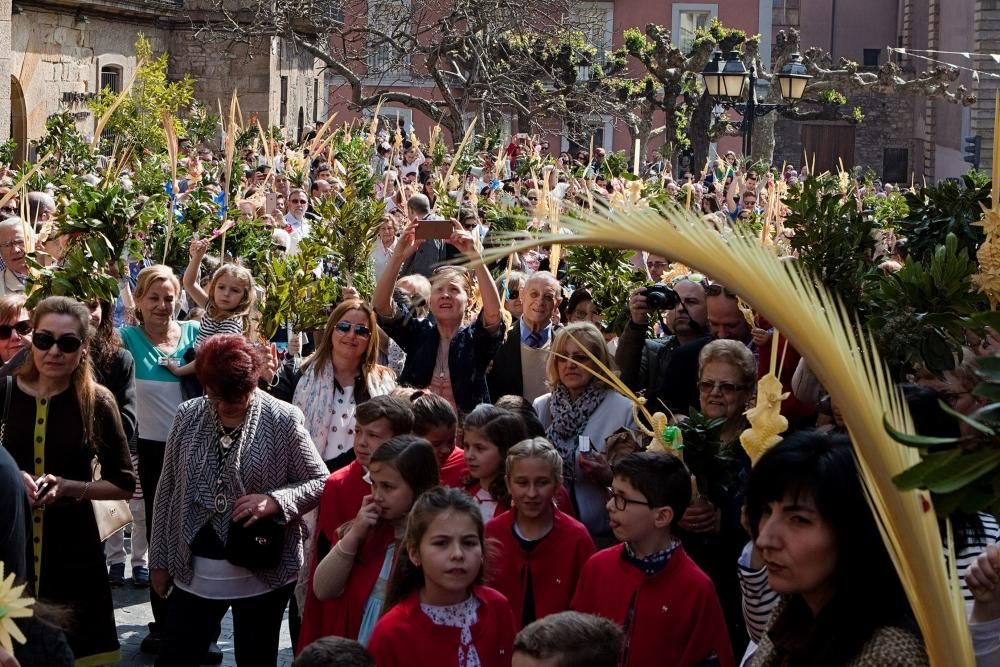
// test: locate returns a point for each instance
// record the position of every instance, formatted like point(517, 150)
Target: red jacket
point(454, 470)
point(342, 496)
point(794, 410)
point(405, 636)
point(341, 616)
point(554, 564)
point(677, 619)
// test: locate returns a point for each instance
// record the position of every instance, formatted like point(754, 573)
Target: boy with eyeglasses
point(665, 604)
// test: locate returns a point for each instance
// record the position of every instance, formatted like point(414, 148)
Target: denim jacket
point(472, 349)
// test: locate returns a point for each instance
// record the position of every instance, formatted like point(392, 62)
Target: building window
point(111, 78)
point(578, 132)
point(895, 165)
point(871, 57)
point(283, 112)
point(388, 22)
point(596, 20)
point(688, 18)
point(315, 100)
point(392, 117)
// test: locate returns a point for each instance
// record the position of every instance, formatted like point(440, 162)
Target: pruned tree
point(514, 58)
point(691, 116)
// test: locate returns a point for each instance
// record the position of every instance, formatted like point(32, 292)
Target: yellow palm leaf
point(846, 363)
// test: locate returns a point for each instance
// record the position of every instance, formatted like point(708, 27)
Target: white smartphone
point(583, 445)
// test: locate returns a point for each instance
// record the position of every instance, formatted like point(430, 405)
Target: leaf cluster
point(714, 464)
point(607, 274)
point(944, 208)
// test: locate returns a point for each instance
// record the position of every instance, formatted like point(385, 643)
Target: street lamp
point(727, 79)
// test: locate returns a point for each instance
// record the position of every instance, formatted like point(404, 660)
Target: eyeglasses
point(513, 295)
point(67, 344)
point(715, 289)
point(727, 388)
point(298, 201)
point(359, 329)
point(23, 328)
point(621, 502)
point(12, 244)
point(578, 359)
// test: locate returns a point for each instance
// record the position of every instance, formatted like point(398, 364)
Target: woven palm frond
point(848, 365)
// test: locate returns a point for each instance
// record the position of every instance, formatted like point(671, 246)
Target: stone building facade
point(61, 54)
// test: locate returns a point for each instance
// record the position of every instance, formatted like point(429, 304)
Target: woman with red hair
point(239, 471)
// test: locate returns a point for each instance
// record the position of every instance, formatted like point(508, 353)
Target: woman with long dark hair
point(842, 602)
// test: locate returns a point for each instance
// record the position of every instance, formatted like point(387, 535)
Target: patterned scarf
point(569, 418)
point(654, 562)
point(462, 615)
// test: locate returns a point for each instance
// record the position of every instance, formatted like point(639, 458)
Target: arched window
point(111, 78)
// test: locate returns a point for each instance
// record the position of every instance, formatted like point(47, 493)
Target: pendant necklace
point(226, 439)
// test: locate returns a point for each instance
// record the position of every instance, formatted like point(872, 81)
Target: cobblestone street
point(132, 613)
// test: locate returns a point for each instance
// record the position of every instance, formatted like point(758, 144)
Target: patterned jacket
point(274, 456)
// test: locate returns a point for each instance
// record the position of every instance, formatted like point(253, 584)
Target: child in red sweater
point(540, 550)
point(666, 605)
point(435, 420)
point(352, 577)
point(378, 419)
point(488, 432)
point(439, 614)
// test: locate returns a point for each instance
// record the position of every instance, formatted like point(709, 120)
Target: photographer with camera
point(643, 361)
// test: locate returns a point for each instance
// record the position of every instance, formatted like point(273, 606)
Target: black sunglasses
point(66, 344)
point(23, 328)
point(359, 329)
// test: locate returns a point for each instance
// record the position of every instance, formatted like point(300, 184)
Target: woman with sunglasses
point(15, 326)
point(240, 468)
point(55, 386)
point(445, 352)
point(710, 528)
point(579, 415)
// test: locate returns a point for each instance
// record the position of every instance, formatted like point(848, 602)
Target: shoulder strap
point(6, 399)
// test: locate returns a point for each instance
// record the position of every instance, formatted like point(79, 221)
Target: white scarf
point(462, 615)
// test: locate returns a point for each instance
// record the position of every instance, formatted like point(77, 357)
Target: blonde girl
point(541, 551)
point(228, 302)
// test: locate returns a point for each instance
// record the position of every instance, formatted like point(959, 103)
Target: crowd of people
point(444, 474)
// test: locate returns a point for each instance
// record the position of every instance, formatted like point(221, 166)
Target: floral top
point(462, 615)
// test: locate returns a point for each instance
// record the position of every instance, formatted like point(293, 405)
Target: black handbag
point(257, 547)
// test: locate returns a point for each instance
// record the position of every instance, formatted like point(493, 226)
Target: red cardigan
point(455, 469)
point(555, 564)
point(677, 619)
point(342, 496)
point(341, 616)
point(406, 637)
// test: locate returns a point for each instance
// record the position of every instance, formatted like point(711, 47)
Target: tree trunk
point(698, 129)
point(763, 138)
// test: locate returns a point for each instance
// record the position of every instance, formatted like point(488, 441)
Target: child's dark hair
point(504, 429)
point(431, 411)
point(413, 457)
point(573, 639)
point(334, 652)
point(396, 411)
point(407, 577)
point(522, 407)
point(867, 593)
point(662, 478)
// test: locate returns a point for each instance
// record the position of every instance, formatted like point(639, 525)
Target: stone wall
point(888, 124)
point(56, 60)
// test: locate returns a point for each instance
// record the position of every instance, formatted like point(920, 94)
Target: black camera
point(661, 297)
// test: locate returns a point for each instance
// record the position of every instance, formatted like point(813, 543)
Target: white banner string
point(975, 72)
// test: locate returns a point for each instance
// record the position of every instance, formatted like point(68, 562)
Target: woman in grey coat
point(239, 471)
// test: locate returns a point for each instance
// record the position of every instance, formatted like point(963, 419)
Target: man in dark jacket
point(519, 365)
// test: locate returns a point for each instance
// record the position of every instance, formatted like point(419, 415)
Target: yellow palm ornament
point(988, 255)
point(12, 606)
point(847, 364)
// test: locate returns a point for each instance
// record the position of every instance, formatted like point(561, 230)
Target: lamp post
point(727, 80)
